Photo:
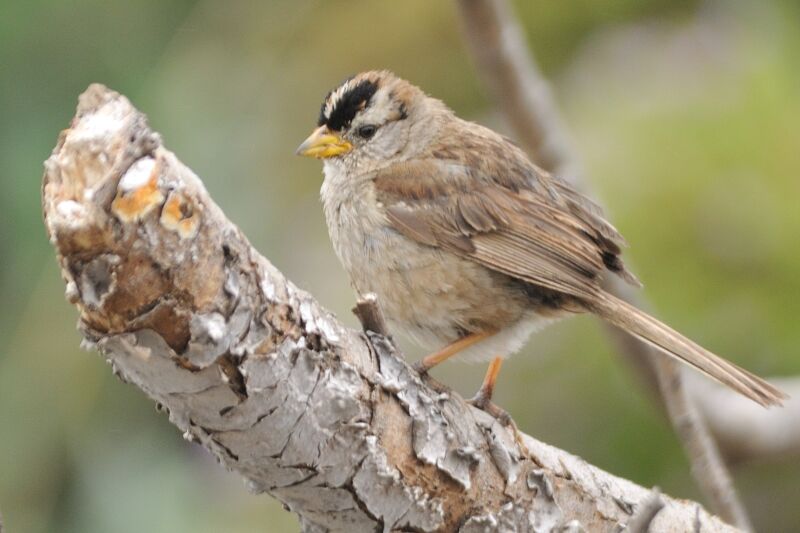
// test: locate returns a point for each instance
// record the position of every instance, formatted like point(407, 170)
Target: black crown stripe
point(345, 109)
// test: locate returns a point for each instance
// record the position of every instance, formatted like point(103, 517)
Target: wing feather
point(505, 214)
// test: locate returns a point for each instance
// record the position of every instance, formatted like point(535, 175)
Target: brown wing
point(503, 213)
point(487, 202)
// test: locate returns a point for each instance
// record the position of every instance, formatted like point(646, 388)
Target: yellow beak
point(322, 144)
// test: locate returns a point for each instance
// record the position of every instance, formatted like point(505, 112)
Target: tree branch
point(329, 421)
point(646, 513)
point(744, 431)
point(507, 68)
point(370, 315)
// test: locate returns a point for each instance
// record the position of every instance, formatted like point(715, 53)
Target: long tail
point(641, 325)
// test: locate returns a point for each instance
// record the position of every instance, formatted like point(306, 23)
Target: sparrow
point(468, 245)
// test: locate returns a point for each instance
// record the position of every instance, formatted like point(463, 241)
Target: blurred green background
point(686, 115)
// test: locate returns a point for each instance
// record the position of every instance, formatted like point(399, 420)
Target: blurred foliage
point(686, 115)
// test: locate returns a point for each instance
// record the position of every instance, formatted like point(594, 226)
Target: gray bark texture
point(330, 421)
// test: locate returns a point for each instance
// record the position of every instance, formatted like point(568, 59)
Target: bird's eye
point(366, 132)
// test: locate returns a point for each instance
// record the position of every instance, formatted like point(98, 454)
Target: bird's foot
point(421, 368)
point(484, 402)
point(429, 380)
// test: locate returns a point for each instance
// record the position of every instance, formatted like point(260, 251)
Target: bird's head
point(369, 117)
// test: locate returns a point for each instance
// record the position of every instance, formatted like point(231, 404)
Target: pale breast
point(435, 297)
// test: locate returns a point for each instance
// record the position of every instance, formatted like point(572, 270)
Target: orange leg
point(426, 363)
point(483, 399)
point(484, 395)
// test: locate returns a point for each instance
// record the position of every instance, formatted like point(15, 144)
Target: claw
point(487, 406)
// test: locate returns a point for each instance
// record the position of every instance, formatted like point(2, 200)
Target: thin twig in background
point(708, 468)
point(744, 431)
point(506, 66)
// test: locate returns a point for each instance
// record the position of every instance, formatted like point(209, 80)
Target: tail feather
point(643, 326)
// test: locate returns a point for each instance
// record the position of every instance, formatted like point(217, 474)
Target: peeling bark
point(330, 421)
